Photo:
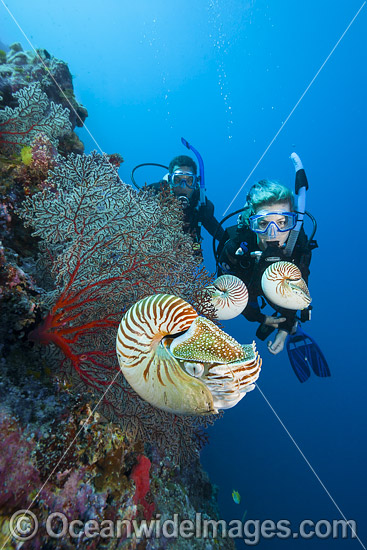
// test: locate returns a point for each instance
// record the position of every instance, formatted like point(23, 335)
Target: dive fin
point(303, 353)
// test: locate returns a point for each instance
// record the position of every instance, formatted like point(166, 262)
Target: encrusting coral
point(72, 488)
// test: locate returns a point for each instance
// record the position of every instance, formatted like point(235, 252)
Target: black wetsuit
point(250, 269)
point(195, 217)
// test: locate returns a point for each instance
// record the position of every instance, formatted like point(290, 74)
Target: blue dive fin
point(303, 353)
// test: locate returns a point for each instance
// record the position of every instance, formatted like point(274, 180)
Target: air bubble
point(220, 43)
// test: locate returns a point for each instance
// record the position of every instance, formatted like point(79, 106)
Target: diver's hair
point(262, 194)
point(182, 160)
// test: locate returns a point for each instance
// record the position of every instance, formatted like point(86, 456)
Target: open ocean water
point(230, 76)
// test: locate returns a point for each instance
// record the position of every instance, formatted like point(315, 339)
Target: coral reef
point(105, 478)
point(19, 68)
point(71, 487)
point(30, 131)
point(98, 246)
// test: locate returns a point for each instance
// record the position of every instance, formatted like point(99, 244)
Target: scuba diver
point(270, 229)
point(189, 188)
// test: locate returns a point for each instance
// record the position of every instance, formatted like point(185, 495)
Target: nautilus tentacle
point(239, 376)
point(230, 369)
point(283, 285)
point(197, 372)
point(229, 296)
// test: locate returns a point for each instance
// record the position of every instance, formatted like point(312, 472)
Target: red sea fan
point(107, 246)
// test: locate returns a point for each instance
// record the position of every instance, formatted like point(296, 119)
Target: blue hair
point(265, 193)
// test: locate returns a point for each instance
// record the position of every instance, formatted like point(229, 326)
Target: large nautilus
point(182, 362)
point(229, 296)
point(283, 285)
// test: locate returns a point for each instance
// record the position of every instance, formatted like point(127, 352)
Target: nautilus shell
point(229, 296)
point(181, 362)
point(283, 285)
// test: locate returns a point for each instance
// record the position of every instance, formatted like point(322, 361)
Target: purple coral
point(18, 477)
point(77, 498)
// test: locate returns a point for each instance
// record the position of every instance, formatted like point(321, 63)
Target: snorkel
point(301, 186)
point(201, 171)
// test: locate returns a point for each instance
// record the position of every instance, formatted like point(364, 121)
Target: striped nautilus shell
point(229, 296)
point(182, 362)
point(283, 285)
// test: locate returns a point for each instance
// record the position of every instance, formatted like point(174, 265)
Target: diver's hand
point(297, 163)
point(279, 341)
point(273, 321)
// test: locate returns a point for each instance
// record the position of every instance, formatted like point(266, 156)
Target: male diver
point(188, 186)
point(183, 181)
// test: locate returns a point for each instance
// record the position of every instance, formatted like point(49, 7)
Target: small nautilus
point(283, 285)
point(182, 362)
point(229, 296)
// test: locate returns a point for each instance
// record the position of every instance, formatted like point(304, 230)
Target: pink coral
point(77, 499)
point(43, 153)
point(12, 278)
point(18, 477)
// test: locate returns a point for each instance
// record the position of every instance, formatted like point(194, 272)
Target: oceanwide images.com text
point(24, 526)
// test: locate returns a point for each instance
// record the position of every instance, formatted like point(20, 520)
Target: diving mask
point(180, 178)
point(285, 221)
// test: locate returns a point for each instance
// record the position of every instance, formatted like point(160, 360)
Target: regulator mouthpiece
point(185, 203)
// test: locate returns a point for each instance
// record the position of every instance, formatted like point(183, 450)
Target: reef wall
point(69, 268)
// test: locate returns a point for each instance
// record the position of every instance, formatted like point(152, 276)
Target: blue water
point(225, 74)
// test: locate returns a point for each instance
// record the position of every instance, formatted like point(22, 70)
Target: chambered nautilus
point(283, 285)
point(182, 362)
point(229, 296)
